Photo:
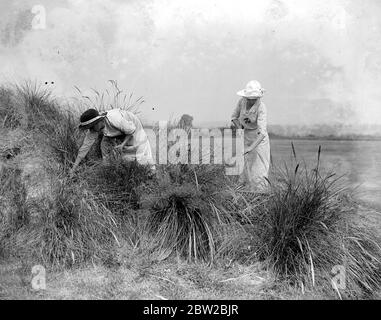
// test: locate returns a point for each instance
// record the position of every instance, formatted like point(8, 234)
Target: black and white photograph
point(209, 151)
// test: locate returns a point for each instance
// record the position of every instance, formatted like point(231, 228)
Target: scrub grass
point(34, 110)
point(111, 98)
point(56, 126)
point(306, 229)
point(9, 115)
point(117, 181)
point(13, 210)
point(37, 106)
point(117, 186)
point(73, 228)
point(299, 231)
point(187, 210)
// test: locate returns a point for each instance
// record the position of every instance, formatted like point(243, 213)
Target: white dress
point(256, 162)
point(119, 123)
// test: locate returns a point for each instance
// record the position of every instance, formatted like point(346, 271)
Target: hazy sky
point(319, 60)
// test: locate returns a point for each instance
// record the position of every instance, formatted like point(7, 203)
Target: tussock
point(73, 227)
point(305, 228)
point(117, 186)
point(111, 98)
point(187, 211)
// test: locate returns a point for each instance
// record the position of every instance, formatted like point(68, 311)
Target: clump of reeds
point(78, 228)
point(111, 98)
point(36, 104)
point(305, 228)
point(33, 109)
point(187, 214)
point(117, 185)
point(73, 227)
point(117, 181)
point(62, 137)
point(57, 126)
point(10, 117)
point(13, 211)
point(74, 224)
point(361, 259)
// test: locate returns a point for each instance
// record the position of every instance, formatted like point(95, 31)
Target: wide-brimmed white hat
point(252, 90)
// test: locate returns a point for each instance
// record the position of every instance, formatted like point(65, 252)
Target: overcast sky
point(319, 60)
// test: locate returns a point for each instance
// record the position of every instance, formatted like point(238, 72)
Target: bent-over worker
point(122, 133)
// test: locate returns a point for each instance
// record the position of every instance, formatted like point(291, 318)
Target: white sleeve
point(121, 122)
point(262, 119)
point(237, 111)
point(87, 143)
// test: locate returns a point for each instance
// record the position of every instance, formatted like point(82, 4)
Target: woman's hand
point(122, 147)
point(255, 144)
point(235, 124)
point(248, 150)
point(74, 167)
point(119, 147)
point(131, 148)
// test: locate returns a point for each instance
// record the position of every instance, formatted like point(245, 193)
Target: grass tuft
point(187, 212)
point(305, 228)
point(111, 98)
point(73, 227)
point(10, 117)
point(117, 185)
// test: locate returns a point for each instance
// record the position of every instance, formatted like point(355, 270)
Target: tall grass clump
point(78, 228)
point(117, 185)
point(34, 110)
point(362, 260)
point(73, 228)
point(306, 228)
point(303, 214)
point(63, 139)
point(13, 209)
point(187, 212)
point(57, 126)
point(10, 117)
point(111, 98)
point(117, 181)
point(15, 213)
point(74, 224)
point(37, 105)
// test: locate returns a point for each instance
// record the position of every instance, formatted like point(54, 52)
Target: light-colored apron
point(257, 162)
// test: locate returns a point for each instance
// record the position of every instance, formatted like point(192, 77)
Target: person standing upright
point(251, 115)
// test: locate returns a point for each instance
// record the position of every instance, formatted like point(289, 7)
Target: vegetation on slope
point(300, 230)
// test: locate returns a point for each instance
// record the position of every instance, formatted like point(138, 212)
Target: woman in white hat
point(251, 115)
